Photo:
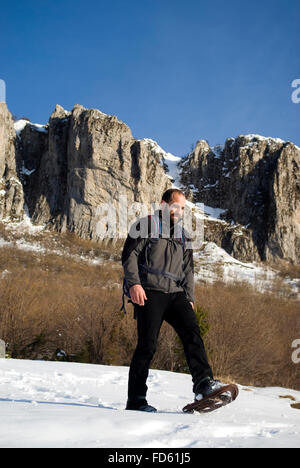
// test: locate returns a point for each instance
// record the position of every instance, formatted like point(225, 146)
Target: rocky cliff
point(79, 160)
point(60, 172)
point(256, 181)
point(11, 189)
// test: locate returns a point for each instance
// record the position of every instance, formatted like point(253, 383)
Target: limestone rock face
point(81, 160)
point(11, 189)
point(257, 181)
point(105, 162)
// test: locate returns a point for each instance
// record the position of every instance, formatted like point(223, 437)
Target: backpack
point(157, 232)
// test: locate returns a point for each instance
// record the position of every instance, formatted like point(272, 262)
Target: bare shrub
point(250, 334)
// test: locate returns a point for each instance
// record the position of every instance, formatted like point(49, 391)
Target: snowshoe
point(222, 396)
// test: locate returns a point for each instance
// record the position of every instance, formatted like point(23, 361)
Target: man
point(160, 275)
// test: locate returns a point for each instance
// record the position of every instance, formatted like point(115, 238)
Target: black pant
point(178, 312)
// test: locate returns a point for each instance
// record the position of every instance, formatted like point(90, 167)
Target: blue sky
point(175, 71)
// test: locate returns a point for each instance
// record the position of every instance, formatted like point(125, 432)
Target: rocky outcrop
point(257, 181)
point(105, 162)
point(80, 160)
point(11, 189)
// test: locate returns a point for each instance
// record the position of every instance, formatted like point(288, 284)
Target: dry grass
point(286, 269)
point(295, 405)
point(288, 397)
point(251, 334)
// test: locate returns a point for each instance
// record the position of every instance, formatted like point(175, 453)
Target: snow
point(232, 269)
point(60, 404)
point(252, 136)
point(25, 226)
point(172, 162)
point(19, 125)
point(206, 212)
point(211, 185)
point(217, 151)
point(169, 159)
point(5, 273)
point(39, 248)
point(39, 127)
point(211, 211)
point(26, 171)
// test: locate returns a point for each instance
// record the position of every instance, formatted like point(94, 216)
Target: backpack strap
point(167, 274)
point(125, 293)
point(155, 221)
point(183, 239)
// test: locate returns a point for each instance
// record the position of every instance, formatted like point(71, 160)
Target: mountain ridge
point(61, 171)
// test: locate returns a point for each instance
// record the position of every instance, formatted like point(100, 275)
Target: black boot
point(206, 387)
point(140, 404)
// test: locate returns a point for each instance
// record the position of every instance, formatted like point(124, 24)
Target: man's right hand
point(137, 294)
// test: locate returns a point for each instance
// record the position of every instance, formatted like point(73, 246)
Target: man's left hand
point(192, 304)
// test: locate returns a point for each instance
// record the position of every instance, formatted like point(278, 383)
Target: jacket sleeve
point(188, 268)
point(131, 250)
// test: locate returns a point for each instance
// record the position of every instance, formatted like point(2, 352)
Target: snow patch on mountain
point(169, 160)
point(20, 124)
point(214, 263)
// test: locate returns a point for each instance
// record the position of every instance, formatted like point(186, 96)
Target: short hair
point(168, 194)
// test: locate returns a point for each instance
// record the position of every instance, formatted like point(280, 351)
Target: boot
point(140, 404)
point(206, 387)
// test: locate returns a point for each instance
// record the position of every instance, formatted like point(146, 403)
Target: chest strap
point(164, 273)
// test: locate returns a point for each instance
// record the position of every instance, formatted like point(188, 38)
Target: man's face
point(175, 207)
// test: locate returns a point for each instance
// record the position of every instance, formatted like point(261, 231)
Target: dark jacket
point(164, 254)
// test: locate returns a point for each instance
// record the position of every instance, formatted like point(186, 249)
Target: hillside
point(60, 285)
point(61, 292)
point(212, 263)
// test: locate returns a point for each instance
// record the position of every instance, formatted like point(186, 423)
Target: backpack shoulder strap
point(155, 225)
point(183, 239)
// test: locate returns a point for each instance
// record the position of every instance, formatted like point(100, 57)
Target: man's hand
point(137, 294)
point(192, 304)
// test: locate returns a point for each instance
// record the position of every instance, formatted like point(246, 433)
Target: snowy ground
point(58, 404)
point(262, 278)
point(20, 229)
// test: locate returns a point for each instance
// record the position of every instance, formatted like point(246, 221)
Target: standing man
point(160, 276)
